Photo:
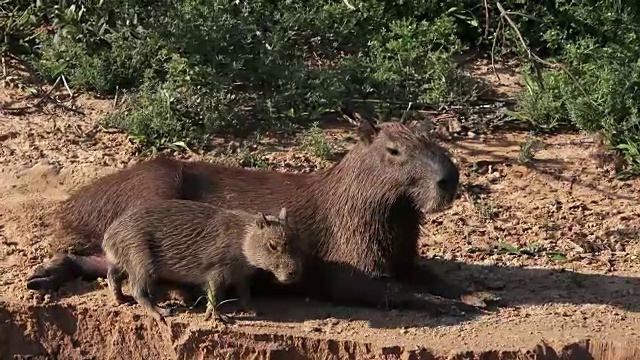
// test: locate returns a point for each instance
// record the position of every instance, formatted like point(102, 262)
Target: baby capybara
point(195, 243)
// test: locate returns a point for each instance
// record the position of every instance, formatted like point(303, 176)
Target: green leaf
point(181, 144)
point(559, 257)
point(507, 247)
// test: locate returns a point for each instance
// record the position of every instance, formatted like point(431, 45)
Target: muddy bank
point(70, 332)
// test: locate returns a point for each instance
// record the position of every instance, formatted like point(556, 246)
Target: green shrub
point(200, 67)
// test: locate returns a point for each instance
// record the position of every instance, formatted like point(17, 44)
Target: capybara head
point(270, 246)
point(407, 160)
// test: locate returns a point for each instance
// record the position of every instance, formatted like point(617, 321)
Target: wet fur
point(198, 244)
point(360, 219)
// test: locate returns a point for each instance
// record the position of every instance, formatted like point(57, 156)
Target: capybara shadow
point(505, 285)
point(516, 286)
point(360, 219)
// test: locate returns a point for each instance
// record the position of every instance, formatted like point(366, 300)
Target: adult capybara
point(196, 243)
point(361, 217)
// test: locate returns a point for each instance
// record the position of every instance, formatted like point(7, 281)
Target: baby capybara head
point(406, 160)
point(269, 246)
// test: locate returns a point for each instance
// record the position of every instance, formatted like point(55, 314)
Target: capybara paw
point(250, 312)
point(217, 317)
point(442, 306)
point(224, 319)
point(125, 300)
point(44, 282)
point(473, 300)
point(164, 312)
point(41, 272)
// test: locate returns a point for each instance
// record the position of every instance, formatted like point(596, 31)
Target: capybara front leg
point(157, 312)
point(115, 276)
point(353, 287)
point(424, 279)
point(244, 295)
point(51, 275)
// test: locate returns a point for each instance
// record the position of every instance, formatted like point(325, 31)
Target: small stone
point(314, 329)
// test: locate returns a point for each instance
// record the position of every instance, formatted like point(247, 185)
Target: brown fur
point(361, 217)
point(191, 242)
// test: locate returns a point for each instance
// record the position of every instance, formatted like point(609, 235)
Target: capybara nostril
point(292, 274)
point(449, 181)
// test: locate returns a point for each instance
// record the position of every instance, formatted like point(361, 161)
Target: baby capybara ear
point(367, 130)
point(283, 215)
point(261, 220)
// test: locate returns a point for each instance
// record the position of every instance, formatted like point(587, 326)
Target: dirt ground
point(556, 242)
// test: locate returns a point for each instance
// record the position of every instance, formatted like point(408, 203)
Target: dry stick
point(47, 95)
point(4, 67)
point(486, 21)
point(115, 100)
point(505, 15)
point(64, 80)
point(349, 119)
point(493, 49)
point(404, 115)
point(351, 7)
point(523, 15)
point(41, 99)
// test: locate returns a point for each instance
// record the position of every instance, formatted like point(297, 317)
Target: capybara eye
point(272, 246)
point(393, 151)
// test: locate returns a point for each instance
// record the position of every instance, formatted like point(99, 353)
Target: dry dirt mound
point(558, 242)
point(69, 332)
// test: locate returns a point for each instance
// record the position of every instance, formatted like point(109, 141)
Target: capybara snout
point(446, 176)
point(289, 271)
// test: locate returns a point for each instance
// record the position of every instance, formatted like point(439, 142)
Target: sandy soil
point(556, 242)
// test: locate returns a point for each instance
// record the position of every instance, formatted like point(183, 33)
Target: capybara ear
point(367, 130)
point(283, 214)
point(261, 220)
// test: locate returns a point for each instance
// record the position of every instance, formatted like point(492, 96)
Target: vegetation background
point(193, 68)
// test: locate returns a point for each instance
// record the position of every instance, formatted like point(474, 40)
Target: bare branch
point(351, 7)
point(349, 119)
point(486, 18)
point(404, 115)
point(493, 49)
point(64, 80)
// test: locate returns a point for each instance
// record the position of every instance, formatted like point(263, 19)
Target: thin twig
point(486, 18)
point(404, 115)
point(64, 80)
point(349, 119)
point(423, 106)
point(37, 103)
point(493, 49)
point(115, 100)
point(351, 7)
point(523, 15)
point(4, 67)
